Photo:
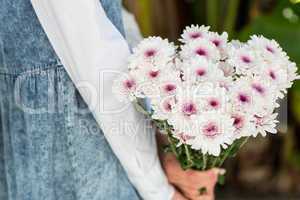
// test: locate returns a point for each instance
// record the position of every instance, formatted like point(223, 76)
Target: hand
point(190, 181)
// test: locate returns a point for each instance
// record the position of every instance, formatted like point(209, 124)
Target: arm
point(92, 52)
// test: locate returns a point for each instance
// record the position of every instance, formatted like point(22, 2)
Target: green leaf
point(295, 1)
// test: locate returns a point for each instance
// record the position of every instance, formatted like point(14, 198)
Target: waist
point(30, 69)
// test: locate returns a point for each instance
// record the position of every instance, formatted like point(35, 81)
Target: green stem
point(188, 155)
point(173, 147)
point(204, 161)
point(215, 162)
point(222, 160)
point(244, 142)
point(229, 151)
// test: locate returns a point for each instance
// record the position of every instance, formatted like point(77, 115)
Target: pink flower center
point(150, 53)
point(170, 87)
point(259, 120)
point(129, 84)
point(201, 72)
point(238, 122)
point(189, 109)
point(210, 130)
point(167, 106)
point(258, 88)
point(244, 98)
point(195, 35)
point(216, 42)
point(246, 59)
point(214, 103)
point(153, 74)
point(272, 74)
point(270, 49)
point(201, 52)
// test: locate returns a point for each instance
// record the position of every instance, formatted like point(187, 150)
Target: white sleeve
point(93, 52)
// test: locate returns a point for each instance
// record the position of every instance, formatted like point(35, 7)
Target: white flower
point(169, 82)
point(254, 95)
point(225, 82)
point(135, 65)
point(235, 44)
point(154, 50)
point(155, 83)
point(264, 92)
point(243, 59)
point(147, 80)
point(194, 32)
point(244, 124)
point(228, 70)
point(212, 131)
point(242, 95)
point(213, 98)
point(276, 74)
point(267, 48)
point(185, 109)
point(265, 124)
point(220, 41)
point(275, 65)
point(168, 87)
point(200, 69)
point(161, 93)
point(292, 73)
point(202, 48)
point(163, 107)
point(124, 88)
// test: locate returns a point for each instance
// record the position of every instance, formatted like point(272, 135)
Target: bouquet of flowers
point(209, 95)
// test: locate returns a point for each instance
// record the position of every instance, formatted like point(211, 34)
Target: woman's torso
point(51, 147)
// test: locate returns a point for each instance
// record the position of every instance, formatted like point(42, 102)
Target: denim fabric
point(51, 148)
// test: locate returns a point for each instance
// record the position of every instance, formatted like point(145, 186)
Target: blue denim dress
point(51, 148)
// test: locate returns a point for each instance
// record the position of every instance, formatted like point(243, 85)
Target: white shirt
point(93, 52)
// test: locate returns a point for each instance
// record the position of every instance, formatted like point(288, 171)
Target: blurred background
point(267, 168)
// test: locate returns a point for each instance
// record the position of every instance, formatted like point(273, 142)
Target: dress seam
point(16, 71)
